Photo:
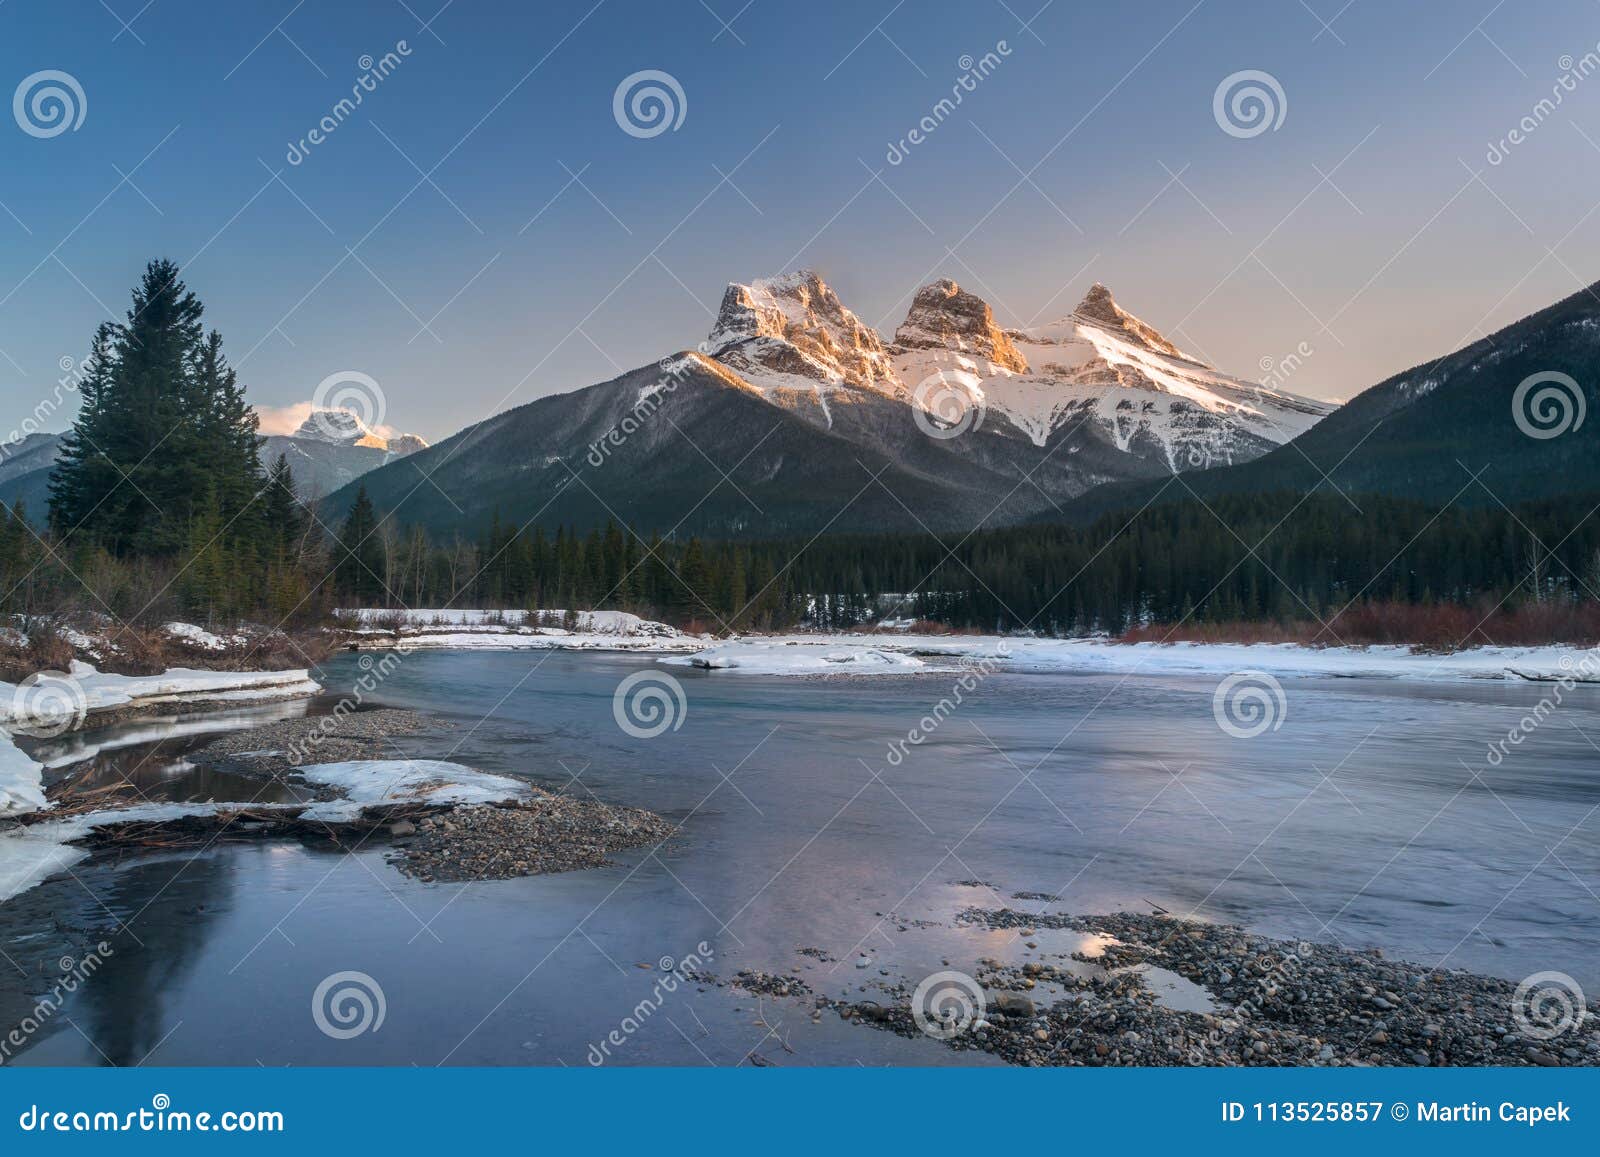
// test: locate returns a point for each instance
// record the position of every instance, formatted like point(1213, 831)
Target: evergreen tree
point(360, 559)
point(162, 428)
point(285, 519)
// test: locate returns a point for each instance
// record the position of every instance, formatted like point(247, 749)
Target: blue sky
point(548, 249)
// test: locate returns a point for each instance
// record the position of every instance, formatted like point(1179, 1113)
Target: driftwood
point(252, 823)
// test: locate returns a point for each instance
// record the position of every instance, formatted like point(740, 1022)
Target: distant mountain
point(29, 453)
point(795, 417)
point(1498, 406)
point(330, 449)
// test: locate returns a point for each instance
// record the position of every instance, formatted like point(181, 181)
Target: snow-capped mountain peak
point(1099, 367)
point(1100, 309)
point(791, 335)
point(345, 428)
point(944, 316)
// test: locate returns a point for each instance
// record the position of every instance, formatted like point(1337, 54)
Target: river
point(1371, 817)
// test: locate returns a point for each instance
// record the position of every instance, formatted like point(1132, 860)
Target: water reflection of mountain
point(168, 906)
point(154, 916)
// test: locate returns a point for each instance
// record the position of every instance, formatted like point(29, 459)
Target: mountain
point(1099, 365)
point(1492, 409)
point(794, 416)
point(330, 449)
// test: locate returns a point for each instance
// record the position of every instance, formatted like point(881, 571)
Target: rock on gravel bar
point(1278, 1002)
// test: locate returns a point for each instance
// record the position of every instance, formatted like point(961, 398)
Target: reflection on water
point(144, 757)
point(1370, 819)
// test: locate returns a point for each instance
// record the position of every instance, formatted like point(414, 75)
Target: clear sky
point(480, 231)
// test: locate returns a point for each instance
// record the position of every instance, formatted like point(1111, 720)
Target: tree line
point(160, 506)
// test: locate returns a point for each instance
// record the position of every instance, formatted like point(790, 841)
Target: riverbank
point(1276, 1002)
point(444, 821)
point(50, 704)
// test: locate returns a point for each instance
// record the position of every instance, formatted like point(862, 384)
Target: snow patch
point(368, 782)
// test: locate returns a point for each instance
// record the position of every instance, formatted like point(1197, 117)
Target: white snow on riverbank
point(901, 654)
point(366, 782)
point(21, 780)
point(64, 702)
point(581, 622)
point(28, 855)
point(455, 629)
point(767, 658)
point(84, 691)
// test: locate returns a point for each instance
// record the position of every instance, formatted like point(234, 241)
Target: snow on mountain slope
point(793, 340)
point(1099, 364)
point(345, 428)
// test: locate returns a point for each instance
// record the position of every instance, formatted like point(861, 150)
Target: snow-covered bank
point(902, 654)
point(460, 629)
point(31, 853)
point(47, 701)
point(791, 658)
point(897, 653)
point(51, 703)
point(368, 782)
